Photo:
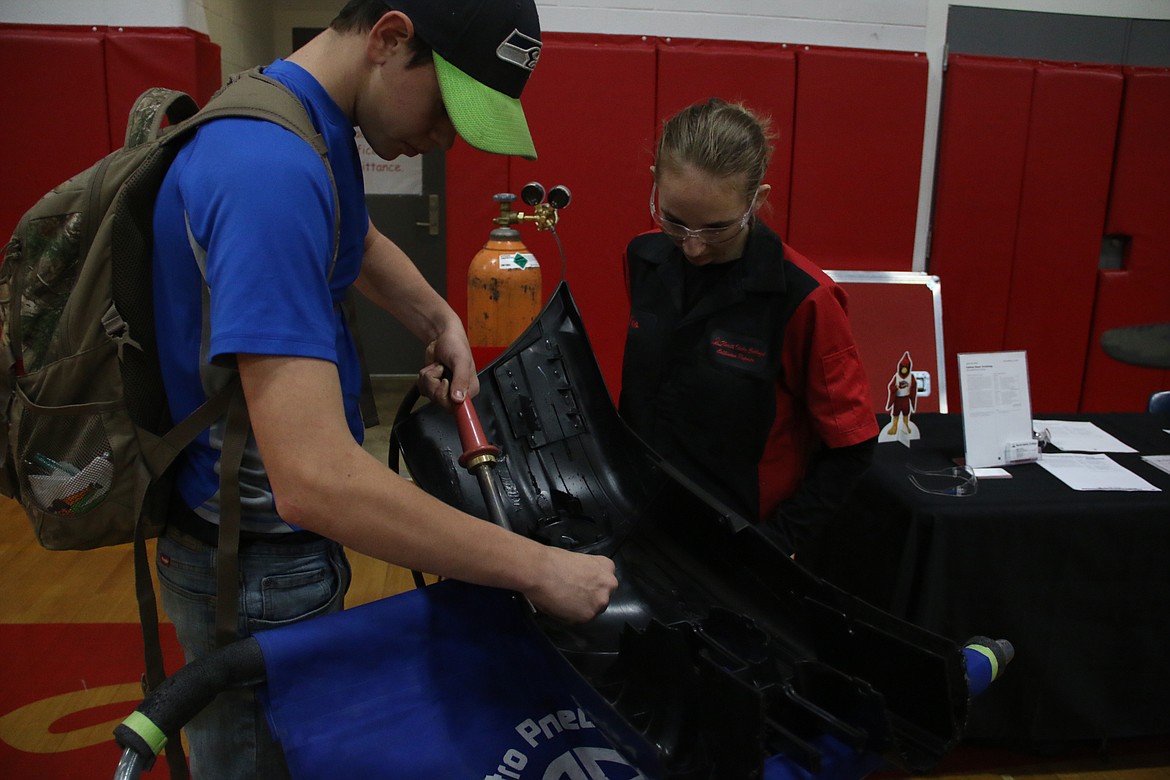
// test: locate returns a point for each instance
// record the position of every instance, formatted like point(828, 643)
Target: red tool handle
point(471, 436)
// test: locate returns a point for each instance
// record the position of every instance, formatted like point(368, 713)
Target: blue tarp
point(453, 681)
point(450, 681)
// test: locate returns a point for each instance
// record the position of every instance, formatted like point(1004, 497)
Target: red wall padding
point(595, 105)
point(1139, 207)
point(1025, 159)
point(1062, 210)
point(55, 123)
point(72, 87)
point(595, 142)
point(692, 71)
point(982, 148)
point(857, 157)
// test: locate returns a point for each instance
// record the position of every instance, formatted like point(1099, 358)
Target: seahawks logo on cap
point(519, 49)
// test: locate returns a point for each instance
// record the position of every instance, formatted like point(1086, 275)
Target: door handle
point(432, 223)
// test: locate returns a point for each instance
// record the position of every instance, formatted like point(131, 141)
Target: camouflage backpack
point(88, 438)
point(82, 398)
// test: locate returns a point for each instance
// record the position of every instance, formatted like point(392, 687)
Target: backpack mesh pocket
point(68, 468)
point(79, 465)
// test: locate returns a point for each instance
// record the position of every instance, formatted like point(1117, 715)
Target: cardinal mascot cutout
point(901, 401)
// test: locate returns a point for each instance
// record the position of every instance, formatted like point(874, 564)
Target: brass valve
point(544, 215)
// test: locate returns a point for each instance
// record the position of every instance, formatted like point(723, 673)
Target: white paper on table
point(1158, 461)
point(992, 472)
point(1073, 436)
point(1093, 472)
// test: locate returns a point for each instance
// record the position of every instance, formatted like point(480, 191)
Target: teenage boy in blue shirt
point(248, 206)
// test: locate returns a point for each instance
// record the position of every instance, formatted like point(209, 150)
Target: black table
point(1078, 581)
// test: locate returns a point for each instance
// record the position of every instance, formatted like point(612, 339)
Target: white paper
point(997, 407)
point(1080, 437)
point(401, 176)
point(1158, 461)
point(992, 473)
point(66, 484)
point(1093, 472)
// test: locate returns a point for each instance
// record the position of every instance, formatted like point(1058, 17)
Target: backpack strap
point(151, 107)
point(164, 451)
point(151, 643)
point(369, 408)
point(227, 561)
point(252, 94)
point(157, 459)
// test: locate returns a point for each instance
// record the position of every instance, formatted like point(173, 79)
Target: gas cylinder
point(504, 292)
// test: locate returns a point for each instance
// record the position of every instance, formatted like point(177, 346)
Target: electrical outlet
point(922, 378)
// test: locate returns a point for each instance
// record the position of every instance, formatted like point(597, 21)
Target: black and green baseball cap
point(484, 52)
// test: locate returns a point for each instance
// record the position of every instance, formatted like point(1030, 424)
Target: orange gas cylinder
point(504, 292)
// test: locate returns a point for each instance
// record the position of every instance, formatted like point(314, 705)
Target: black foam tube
point(183, 695)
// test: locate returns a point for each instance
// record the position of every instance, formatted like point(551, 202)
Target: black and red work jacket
point(744, 382)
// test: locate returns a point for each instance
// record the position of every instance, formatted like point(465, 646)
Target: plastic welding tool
point(479, 458)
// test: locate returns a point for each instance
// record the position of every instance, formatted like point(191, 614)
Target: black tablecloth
point(1078, 581)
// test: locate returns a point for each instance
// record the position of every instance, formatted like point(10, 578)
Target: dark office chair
point(1160, 402)
point(1142, 345)
point(1139, 345)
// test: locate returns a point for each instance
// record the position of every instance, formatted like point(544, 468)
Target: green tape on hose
point(145, 728)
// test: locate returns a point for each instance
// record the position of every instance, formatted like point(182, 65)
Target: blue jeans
point(280, 584)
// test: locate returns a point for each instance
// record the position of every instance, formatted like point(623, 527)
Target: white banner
point(400, 176)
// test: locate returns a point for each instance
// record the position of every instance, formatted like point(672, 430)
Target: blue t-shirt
point(251, 202)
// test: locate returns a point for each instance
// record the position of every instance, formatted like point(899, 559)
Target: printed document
point(1093, 472)
point(997, 407)
point(1072, 436)
point(1158, 461)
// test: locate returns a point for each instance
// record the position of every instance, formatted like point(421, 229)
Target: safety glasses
point(710, 236)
